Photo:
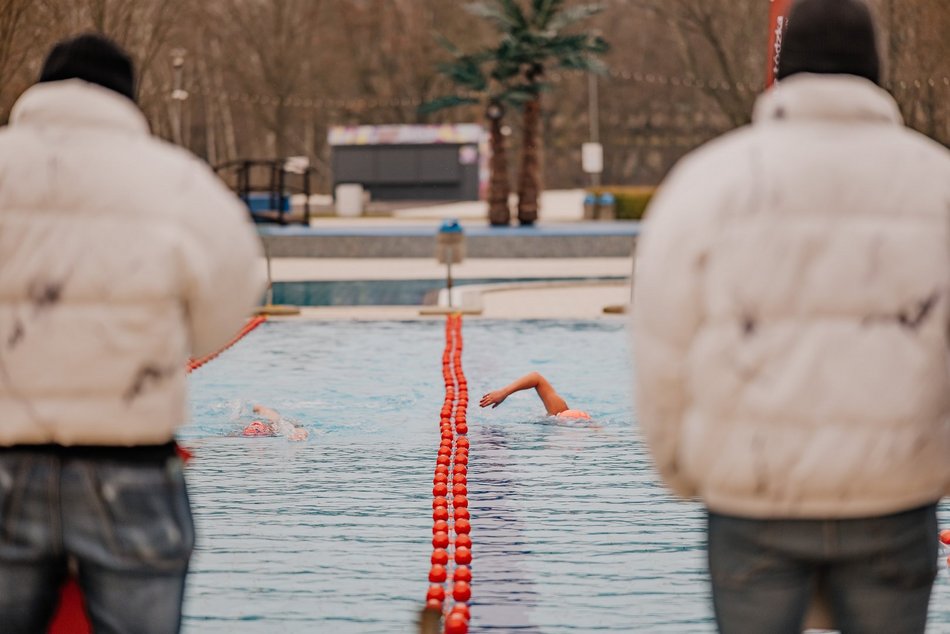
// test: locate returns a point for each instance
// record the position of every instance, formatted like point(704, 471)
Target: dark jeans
point(877, 572)
point(127, 525)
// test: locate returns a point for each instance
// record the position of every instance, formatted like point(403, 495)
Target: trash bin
point(349, 200)
point(607, 207)
point(590, 206)
point(450, 249)
point(450, 242)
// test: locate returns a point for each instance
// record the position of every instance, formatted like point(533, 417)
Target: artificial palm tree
point(478, 85)
point(534, 35)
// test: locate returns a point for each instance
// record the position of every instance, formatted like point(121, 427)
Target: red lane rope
point(254, 322)
point(70, 617)
point(452, 545)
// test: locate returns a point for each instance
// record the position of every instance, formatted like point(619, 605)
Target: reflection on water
point(572, 532)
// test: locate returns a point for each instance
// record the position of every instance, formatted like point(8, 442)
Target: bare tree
point(269, 76)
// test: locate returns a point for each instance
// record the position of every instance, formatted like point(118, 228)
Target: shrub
point(631, 202)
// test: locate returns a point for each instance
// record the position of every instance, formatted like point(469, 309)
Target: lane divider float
point(254, 322)
point(451, 540)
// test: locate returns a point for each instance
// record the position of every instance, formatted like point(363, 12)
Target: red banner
point(778, 23)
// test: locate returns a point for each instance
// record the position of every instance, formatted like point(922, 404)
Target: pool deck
point(414, 240)
point(402, 247)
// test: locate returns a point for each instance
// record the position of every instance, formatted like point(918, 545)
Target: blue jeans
point(876, 573)
point(126, 525)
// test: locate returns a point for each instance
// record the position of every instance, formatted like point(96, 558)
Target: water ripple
point(572, 531)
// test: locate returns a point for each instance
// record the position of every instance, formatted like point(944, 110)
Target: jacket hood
point(76, 103)
point(837, 98)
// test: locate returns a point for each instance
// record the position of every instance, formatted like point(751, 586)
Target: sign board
point(459, 133)
point(592, 158)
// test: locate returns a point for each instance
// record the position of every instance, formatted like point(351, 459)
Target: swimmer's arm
point(553, 402)
point(267, 413)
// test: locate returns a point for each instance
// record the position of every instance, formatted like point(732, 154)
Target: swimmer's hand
point(494, 399)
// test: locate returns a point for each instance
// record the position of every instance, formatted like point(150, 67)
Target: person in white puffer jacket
point(790, 335)
point(120, 257)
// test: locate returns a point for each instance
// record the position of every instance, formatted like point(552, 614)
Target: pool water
point(571, 530)
point(383, 292)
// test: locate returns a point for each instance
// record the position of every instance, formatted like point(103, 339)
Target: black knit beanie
point(93, 58)
point(830, 37)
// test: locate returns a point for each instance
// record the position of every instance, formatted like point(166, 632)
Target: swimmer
point(553, 402)
point(274, 425)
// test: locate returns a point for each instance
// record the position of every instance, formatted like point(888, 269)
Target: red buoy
point(463, 540)
point(455, 623)
point(440, 513)
point(437, 573)
point(462, 608)
point(462, 591)
point(440, 526)
point(440, 556)
point(462, 573)
point(462, 526)
point(463, 556)
point(436, 592)
point(440, 540)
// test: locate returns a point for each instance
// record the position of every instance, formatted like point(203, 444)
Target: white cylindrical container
point(349, 200)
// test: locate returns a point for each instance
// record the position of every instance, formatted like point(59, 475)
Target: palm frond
point(498, 15)
point(583, 63)
point(513, 10)
point(450, 101)
point(466, 71)
point(580, 43)
point(518, 97)
point(573, 15)
point(543, 11)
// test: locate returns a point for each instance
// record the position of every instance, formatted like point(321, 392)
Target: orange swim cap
point(257, 428)
point(574, 414)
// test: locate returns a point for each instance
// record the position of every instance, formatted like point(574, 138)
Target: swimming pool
point(572, 532)
point(386, 292)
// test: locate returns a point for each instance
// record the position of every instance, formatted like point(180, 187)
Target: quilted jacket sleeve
point(666, 315)
point(225, 277)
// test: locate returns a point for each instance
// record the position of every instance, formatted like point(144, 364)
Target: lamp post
point(179, 94)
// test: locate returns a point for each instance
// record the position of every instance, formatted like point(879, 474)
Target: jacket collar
point(840, 98)
point(78, 104)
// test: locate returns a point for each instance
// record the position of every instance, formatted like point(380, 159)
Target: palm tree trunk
point(529, 181)
point(499, 188)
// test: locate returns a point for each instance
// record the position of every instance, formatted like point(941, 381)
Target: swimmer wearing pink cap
point(553, 402)
point(273, 425)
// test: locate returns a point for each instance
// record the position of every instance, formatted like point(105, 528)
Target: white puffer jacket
point(120, 255)
point(791, 311)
